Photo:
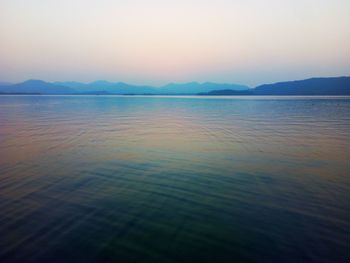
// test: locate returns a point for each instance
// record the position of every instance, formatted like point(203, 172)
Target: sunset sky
point(159, 41)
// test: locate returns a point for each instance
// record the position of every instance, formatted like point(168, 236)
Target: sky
point(159, 41)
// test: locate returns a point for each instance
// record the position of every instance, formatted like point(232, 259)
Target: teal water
point(174, 179)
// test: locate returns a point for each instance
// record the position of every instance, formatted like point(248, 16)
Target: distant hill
point(107, 87)
point(313, 86)
point(195, 87)
point(227, 92)
point(37, 87)
point(170, 89)
point(124, 88)
point(70, 84)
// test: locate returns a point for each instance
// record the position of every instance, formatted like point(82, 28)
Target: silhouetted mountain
point(123, 88)
point(195, 87)
point(227, 92)
point(172, 88)
point(314, 86)
point(36, 86)
point(70, 84)
point(97, 85)
point(108, 87)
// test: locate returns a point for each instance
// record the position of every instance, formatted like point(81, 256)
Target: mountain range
point(313, 86)
point(119, 88)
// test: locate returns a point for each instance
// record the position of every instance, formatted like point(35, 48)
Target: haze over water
point(173, 179)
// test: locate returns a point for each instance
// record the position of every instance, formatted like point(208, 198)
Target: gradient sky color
point(159, 41)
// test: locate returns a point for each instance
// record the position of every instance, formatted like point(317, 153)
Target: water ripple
point(104, 179)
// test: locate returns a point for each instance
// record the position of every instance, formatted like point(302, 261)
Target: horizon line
point(169, 83)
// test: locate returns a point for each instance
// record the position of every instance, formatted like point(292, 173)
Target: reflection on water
point(108, 178)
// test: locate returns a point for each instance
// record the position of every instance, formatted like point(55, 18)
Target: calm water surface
point(174, 179)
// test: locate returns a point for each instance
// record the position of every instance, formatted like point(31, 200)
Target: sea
point(99, 178)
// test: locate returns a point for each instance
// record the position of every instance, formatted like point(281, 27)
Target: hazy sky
point(160, 41)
